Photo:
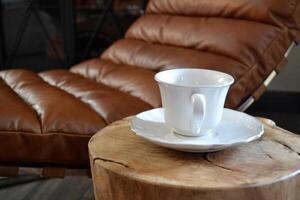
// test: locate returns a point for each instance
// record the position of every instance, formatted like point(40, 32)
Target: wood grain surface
point(125, 166)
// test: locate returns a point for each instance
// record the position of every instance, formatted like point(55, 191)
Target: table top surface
point(272, 158)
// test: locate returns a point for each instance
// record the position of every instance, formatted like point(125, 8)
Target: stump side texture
point(125, 166)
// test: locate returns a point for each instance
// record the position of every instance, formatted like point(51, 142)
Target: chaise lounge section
point(46, 119)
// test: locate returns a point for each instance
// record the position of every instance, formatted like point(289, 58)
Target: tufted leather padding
point(283, 13)
point(135, 81)
point(48, 118)
point(247, 50)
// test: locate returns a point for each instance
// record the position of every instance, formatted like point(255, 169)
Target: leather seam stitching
point(46, 133)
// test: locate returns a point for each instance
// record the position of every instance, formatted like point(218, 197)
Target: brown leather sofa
point(46, 119)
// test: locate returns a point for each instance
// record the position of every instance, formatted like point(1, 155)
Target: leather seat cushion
point(49, 118)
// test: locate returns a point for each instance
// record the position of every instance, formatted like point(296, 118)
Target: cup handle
point(199, 110)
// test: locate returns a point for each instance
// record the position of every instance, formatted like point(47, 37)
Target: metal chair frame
point(266, 83)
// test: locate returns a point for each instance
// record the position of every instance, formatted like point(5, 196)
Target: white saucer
point(235, 128)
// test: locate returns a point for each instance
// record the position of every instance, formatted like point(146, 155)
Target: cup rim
point(228, 83)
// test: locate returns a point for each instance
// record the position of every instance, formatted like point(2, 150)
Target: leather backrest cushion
point(241, 40)
point(245, 38)
point(274, 12)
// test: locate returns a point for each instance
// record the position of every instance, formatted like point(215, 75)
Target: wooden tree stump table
point(125, 166)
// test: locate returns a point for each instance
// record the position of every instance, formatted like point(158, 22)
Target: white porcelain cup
point(193, 99)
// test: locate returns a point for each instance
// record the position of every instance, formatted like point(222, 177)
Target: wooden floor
point(28, 187)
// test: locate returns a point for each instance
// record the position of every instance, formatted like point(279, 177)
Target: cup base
point(189, 134)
